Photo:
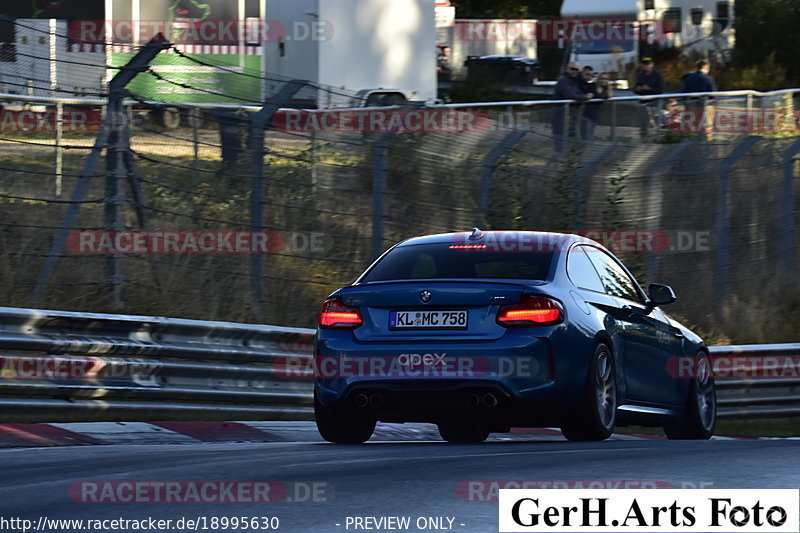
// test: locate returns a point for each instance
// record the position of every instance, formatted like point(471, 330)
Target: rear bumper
point(483, 402)
point(526, 374)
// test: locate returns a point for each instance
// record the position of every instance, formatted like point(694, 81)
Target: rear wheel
point(463, 432)
point(596, 415)
point(342, 425)
point(700, 417)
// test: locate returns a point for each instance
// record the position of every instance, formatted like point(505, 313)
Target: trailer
point(612, 36)
point(383, 50)
point(355, 52)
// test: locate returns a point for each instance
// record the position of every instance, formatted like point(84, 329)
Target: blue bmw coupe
point(483, 331)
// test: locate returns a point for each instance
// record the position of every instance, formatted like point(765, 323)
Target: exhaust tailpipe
point(361, 400)
point(490, 400)
point(375, 401)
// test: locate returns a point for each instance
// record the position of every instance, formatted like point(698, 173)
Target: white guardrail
point(746, 93)
point(58, 366)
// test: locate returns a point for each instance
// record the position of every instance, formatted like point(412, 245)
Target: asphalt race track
point(378, 479)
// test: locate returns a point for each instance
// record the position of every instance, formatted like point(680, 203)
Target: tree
point(764, 27)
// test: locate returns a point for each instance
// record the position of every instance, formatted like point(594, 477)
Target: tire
point(462, 432)
point(700, 417)
point(341, 425)
point(596, 415)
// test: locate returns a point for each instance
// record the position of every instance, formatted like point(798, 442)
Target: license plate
point(428, 319)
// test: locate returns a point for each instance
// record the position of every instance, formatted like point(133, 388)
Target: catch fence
point(708, 209)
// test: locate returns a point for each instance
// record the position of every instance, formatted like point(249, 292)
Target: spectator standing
point(568, 87)
point(649, 82)
point(444, 70)
point(601, 89)
point(699, 81)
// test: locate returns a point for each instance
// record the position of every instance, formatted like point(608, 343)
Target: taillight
point(530, 312)
point(336, 315)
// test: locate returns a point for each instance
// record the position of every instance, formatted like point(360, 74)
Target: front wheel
point(341, 425)
point(596, 415)
point(700, 416)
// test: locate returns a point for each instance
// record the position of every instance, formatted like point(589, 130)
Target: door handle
point(678, 334)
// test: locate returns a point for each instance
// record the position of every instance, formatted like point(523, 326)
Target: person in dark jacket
point(649, 81)
point(601, 90)
point(568, 87)
point(699, 81)
point(444, 70)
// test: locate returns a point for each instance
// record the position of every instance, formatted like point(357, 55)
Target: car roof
point(563, 239)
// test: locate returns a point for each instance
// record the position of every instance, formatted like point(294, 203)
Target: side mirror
point(660, 294)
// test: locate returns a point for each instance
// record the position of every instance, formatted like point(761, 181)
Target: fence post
point(489, 165)
point(789, 159)
point(380, 156)
point(579, 185)
point(139, 63)
point(196, 117)
point(723, 224)
point(258, 186)
point(115, 197)
point(613, 120)
point(655, 182)
point(59, 148)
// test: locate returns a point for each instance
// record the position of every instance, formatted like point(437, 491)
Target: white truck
point(385, 50)
point(39, 61)
point(362, 52)
point(624, 29)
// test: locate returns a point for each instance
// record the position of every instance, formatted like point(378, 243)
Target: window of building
point(672, 20)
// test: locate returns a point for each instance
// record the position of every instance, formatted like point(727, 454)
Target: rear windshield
point(426, 261)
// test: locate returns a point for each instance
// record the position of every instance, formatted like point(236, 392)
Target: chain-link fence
point(255, 210)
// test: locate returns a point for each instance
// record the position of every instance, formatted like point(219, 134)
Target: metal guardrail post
point(380, 168)
point(258, 182)
point(723, 223)
point(489, 165)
